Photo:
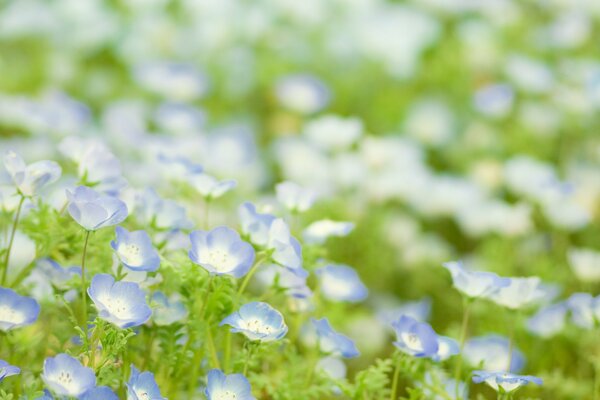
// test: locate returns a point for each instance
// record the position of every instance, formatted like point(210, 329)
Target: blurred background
point(444, 128)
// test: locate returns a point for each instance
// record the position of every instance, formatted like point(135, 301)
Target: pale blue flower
point(100, 393)
point(491, 353)
point(257, 321)
point(210, 187)
point(135, 250)
point(227, 387)
point(178, 117)
point(120, 303)
point(583, 308)
point(520, 293)
point(294, 197)
point(415, 338)
point(93, 210)
point(475, 284)
point(504, 382)
point(178, 167)
point(221, 251)
point(331, 342)
point(65, 376)
point(418, 309)
point(285, 249)
point(151, 209)
point(319, 231)
point(30, 179)
point(333, 367)
point(8, 370)
point(142, 386)
point(341, 283)
point(16, 311)
point(254, 224)
point(175, 81)
point(447, 347)
point(167, 311)
point(302, 93)
point(293, 284)
point(548, 321)
point(438, 378)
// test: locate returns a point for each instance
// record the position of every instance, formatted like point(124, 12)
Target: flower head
point(100, 393)
point(167, 310)
point(210, 187)
point(120, 303)
point(30, 179)
point(319, 231)
point(255, 224)
point(8, 370)
point(65, 376)
point(548, 321)
point(227, 387)
point(504, 382)
point(221, 251)
point(415, 338)
point(93, 210)
point(135, 250)
point(302, 93)
point(492, 353)
point(331, 342)
point(294, 197)
point(475, 284)
point(257, 321)
point(16, 310)
point(520, 293)
point(142, 386)
point(341, 283)
point(286, 250)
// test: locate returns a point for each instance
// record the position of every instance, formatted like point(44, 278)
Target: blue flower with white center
point(16, 310)
point(8, 370)
point(93, 210)
point(331, 342)
point(258, 322)
point(135, 250)
point(319, 231)
point(583, 308)
point(142, 386)
point(210, 187)
point(447, 347)
point(167, 310)
point(100, 393)
point(286, 250)
point(341, 283)
point(294, 197)
point(65, 376)
point(227, 387)
point(548, 321)
point(415, 338)
point(504, 382)
point(475, 284)
point(520, 293)
point(30, 179)
point(120, 303)
point(491, 353)
point(254, 224)
point(333, 367)
point(302, 93)
point(221, 251)
point(160, 213)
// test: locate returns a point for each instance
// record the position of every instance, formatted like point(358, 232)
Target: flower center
point(220, 260)
point(131, 253)
point(257, 326)
point(225, 395)
point(10, 315)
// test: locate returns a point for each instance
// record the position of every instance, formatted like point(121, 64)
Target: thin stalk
point(395, 379)
point(83, 284)
point(463, 337)
point(213, 350)
point(250, 274)
point(227, 352)
point(248, 357)
point(11, 240)
point(596, 380)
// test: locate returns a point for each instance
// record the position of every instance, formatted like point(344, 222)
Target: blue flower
point(224, 387)
point(100, 393)
point(135, 250)
point(520, 293)
point(30, 179)
point(160, 213)
point(548, 321)
point(418, 309)
point(8, 370)
point(254, 224)
point(504, 382)
point(583, 308)
point(302, 93)
point(93, 211)
point(475, 284)
point(142, 386)
point(293, 285)
point(221, 251)
point(319, 231)
point(294, 197)
point(331, 342)
point(167, 311)
point(210, 187)
point(65, 376)
point(177, 166)
point(16, 310)
point(438, 378)
point(491, 353)
point(415, 338)
point(120, 303)
point(257, 321)
point(341, 283)
point(286, 250)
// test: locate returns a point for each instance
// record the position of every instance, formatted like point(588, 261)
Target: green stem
point(213, 350)
point(248, 357)
point(83, 285)
point(394, 394)
point(11, 240)
point(227, 352)
point(250, 274)
point(596, 380)
point(463, 337)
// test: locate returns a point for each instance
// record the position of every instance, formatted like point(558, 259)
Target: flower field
point(296, 200)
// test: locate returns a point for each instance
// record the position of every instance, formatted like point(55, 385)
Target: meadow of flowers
point(283, 199)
